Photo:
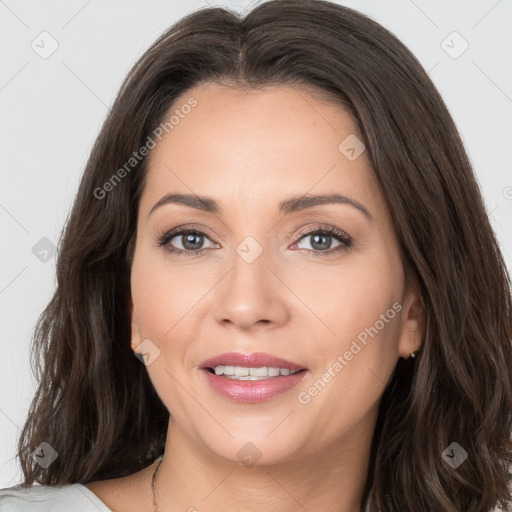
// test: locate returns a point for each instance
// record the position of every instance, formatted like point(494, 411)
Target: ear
point(413, 325)
point(135, 335)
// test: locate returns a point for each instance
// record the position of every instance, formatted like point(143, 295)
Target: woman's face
point(250, 281)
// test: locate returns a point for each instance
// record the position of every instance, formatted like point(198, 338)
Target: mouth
point(251, 378)
point(257, 373)
point(258, 364)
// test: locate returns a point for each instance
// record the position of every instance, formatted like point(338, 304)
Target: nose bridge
point(251, 293)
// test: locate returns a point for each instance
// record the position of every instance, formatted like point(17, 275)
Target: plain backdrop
point(52, 107)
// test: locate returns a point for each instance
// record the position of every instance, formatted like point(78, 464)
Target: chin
point(258, 450)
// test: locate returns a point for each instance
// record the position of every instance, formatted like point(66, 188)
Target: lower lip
point(252, 391)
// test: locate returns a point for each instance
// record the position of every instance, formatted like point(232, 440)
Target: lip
point(254, 360)
point(251, 391)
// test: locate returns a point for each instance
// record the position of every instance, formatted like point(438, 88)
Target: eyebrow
point(290, 205)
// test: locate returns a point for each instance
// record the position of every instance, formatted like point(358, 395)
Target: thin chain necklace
point(155, 505)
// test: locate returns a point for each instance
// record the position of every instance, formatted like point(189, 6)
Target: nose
point(251, 296)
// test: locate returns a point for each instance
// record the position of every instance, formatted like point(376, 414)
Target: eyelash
point(341, 236)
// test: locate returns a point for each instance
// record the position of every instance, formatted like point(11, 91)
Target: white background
point(51, 111)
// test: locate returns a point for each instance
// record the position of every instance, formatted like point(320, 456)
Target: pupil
point(324, 245)
point(189, 239)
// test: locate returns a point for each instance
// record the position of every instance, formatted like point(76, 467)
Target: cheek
point(354, 362)
point(350, 298)
point(359, 307)
point(163, 293)
point(163, 298)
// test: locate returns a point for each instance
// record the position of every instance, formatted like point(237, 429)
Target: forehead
point(253, 144)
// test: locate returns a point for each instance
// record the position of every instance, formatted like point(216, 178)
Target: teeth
point(258, 372)
point(244, 373)
point(241, 371)
point(228, 370)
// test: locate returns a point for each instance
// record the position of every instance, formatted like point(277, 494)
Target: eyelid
point(324, 227)
point(184, 227)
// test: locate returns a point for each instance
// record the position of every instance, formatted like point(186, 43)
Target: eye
point(189, 241)
point(321, 240)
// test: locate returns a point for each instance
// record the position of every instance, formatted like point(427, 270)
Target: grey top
point(58, 498)
point(47, 498)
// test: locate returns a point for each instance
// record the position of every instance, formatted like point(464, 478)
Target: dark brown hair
point(95, 404)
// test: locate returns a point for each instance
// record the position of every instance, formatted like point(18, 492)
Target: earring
point(413, 354)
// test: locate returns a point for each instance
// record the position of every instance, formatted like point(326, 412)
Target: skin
point(249, 151)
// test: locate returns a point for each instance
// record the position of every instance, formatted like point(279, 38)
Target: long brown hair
point(95, 404)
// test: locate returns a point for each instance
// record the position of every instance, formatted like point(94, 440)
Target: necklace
point(155, 506)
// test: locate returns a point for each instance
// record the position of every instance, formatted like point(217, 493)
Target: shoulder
point(58, 498)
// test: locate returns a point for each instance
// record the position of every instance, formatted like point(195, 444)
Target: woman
point(279, 220)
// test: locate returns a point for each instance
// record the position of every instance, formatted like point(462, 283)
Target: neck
point(194, 479)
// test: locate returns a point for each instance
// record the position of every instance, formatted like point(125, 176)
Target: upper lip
point(254, 360)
